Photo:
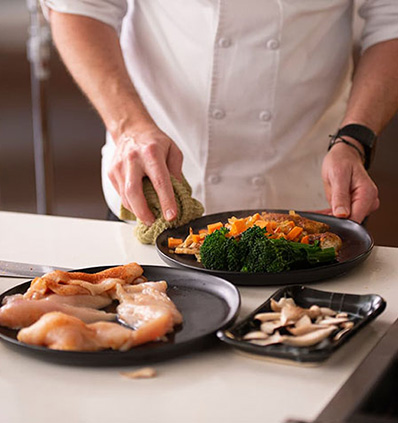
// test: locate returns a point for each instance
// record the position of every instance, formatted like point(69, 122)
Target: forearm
point(374, 95)
point(91, 51)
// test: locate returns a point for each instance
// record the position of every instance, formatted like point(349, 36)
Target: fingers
point(174, 162)
point(158, 173)
point(365, 199)
point(349, 189)
point(154, 156)
point(340, 197)
point(133, 194)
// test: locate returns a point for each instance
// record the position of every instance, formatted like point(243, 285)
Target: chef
point(238, 96)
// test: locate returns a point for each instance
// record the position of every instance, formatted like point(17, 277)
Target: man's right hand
point(92, 53)
point(146, 153)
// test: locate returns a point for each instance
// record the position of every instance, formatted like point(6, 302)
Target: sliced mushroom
point(276, 338)
point(314, 311)
point(256, 334)
point(303, 321)
point(265, 317)
point(291, 313)
point(333, 321)
point(277, 305)
point(348, 325)
point(309, 339)
point(303, 330)
point(270, 327)
point(326, 311)
point(338, 335)
point(341, 315)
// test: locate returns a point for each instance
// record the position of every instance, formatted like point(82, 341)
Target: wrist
point(349, 146)
point(131, 128)
point(360, 138)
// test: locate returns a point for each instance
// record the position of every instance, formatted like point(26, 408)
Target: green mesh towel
point(188, 209)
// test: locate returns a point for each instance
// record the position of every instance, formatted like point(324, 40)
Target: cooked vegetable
point(174, 242)
point(214, 226)
point(255, 252)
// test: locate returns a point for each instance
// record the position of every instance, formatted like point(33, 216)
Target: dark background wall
point(77, 135)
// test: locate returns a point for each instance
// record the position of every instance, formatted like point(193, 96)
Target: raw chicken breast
point(79, 283)
point(144, 303)
point(63, 332)
point(18, 312)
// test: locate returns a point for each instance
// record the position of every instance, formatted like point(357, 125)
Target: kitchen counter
point(216, 384)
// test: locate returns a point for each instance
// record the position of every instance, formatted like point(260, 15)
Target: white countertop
point(216, 385)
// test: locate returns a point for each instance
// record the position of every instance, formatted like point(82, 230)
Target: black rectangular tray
point(361, 309)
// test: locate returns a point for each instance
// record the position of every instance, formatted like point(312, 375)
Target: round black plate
point(206, 302)
point(357, 245)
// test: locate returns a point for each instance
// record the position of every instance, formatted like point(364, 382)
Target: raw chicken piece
point(18, 312)
point(79, 283)
point(63, 332)
point(144, 303)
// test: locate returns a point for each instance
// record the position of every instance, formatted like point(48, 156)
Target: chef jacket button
point(273, 44)
point(218, 113)
point(265, 115)
point(258, 180)
point(224, 42)
point(214, 179)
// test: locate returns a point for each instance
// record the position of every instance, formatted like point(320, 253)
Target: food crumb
point(144, 373)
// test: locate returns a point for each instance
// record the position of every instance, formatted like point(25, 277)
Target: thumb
point(340, 195)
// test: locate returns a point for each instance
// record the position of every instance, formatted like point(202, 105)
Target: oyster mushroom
point(265, 317)
point(303, 330)
point(277, 305)
point(270, 327)
point(256, 334)
point(309, 339)
point(276, 338)
point(326, 311)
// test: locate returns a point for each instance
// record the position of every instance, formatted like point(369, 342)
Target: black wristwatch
point(360, 133)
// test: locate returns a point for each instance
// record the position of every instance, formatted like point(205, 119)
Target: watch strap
point(363, 135)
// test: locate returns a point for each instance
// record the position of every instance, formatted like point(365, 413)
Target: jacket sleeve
point(110, 12)
point(381, 22)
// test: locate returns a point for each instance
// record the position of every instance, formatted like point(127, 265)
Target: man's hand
point(349, 189)
point(149, 153)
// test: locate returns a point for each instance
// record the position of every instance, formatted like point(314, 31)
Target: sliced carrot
point(256, 217)
point(214, 226)
point(261, 223)
point(305, 239)
point(196, 238)
point(174, 242)
point(271, 226)
point(203, 231)
point(294, 233)
point(239, 226)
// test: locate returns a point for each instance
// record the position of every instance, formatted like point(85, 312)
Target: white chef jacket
point(248, 89)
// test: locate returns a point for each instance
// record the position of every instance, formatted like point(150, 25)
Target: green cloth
point(188, 209)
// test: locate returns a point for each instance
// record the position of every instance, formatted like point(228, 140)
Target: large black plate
point(206, 302)
point(357, 245)
point(361, 309)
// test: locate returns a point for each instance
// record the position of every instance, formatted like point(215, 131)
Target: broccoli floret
point(213, 252)
point(234, 257)
point(266, 255)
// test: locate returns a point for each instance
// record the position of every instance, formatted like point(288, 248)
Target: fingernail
point(341, 211)
point(169, 215)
